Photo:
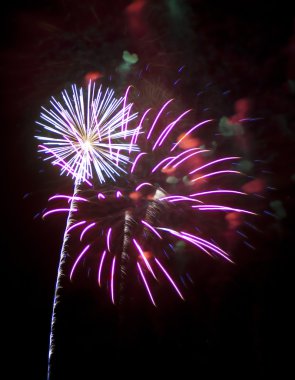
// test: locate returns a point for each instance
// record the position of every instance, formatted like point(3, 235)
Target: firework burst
point(86, 134)
point(136, 223)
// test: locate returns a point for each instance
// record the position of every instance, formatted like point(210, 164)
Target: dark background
point(235, 322)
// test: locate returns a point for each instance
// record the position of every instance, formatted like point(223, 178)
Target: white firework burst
point(86, 133)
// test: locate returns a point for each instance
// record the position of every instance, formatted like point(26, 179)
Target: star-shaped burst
point(86, 133)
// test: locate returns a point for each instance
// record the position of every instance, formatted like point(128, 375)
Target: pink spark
point(118, 194)
point(151, 228)
point(160, 163)
point(143, 184)
point(100, 267)
point(136, 131)
point(168, 129)
point(198, 242)
point(100, 196)
point(178, 198)
point(133, 138)
point(75, 225)
point(207, 244)
point(58, 210)
point(78, 259)
point(144, 258)
point(109, 238)
point(141, 121)
point(187, 133)
point(190, 155)
point(214, 162)
point(157, 117)
point(215, 173)
point(112, 279)
point(169, 278)
point(87, 228)
point(222, 208)
point(146, 284)
point(217, 192)
point(70, 198)
point(174, 158)
point(135, 161)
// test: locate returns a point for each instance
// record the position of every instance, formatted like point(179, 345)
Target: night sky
point(236, 321)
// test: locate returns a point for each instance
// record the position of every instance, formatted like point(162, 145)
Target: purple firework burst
point(135, 224)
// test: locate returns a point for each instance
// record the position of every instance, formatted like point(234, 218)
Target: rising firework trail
point(86, 135)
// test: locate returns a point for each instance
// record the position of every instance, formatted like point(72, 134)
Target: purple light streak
point(146, 284)
point(144, 258)
point(142, 185)
point(157, 117)
point(87, 228)
point(216, 173)
point(136, 160)
point(78, 259)
point(75, 225)
point(112, 279)
point(151, 228)
point(109, 238)
point(59, 210)
point(169, 278)
point(190, 131)
point(100, 267)
point(168, 129)
point(214, 162)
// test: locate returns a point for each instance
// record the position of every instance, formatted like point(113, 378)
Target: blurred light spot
point(234, 220)
point(92, 76)
point(172, 180)
point(254, 186)
point(279, 209)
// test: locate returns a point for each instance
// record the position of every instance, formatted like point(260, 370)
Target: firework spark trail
point(100, 267)
point(125, 255)
point(60, 275)
point(167, 130)
point(144, 258)
point(81, 133)
point(87, 228)
point(169, 278)
point(189, 132)
point(113, 279)
point(146, 284)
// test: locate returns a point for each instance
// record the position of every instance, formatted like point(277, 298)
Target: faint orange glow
point(147, 254)
point(135, 195)
point(188, 142)
point(92, 76)
point(234, 220)
point(254, 186)
point(168, 170)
